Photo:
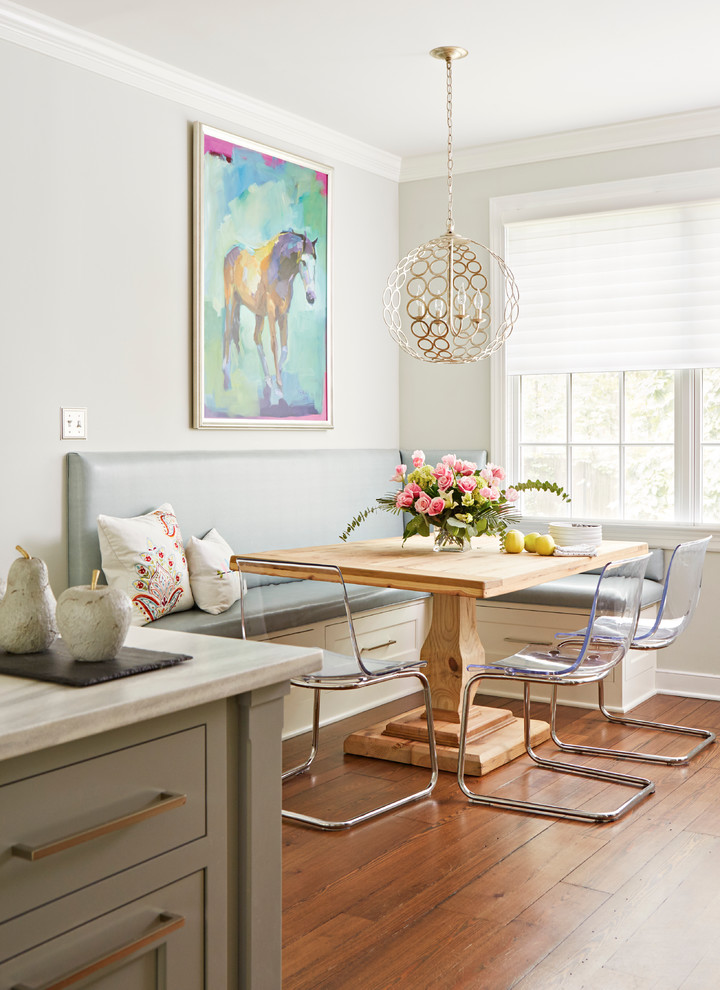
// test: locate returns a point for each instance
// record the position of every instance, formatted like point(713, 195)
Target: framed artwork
point(262, 286)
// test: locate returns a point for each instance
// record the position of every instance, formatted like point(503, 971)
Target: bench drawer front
point(382, 636)
point(503, 630)
point(73, 825)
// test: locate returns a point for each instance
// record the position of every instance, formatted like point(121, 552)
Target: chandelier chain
point(450, 221)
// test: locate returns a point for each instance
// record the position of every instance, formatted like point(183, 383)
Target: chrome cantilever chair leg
point(357, 819)
point(705, 735)
point(642, 785)
point(314, 739)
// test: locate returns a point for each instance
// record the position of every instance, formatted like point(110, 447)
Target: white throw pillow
point(144, 556)
point(214, 586)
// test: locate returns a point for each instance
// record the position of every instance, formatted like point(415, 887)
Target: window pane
point(596, 482)
point(711, 404)
point(711, 484)
point(596, 408)
point(649, 482)
point(650, 406)
point(547, 464)
point(544, 408)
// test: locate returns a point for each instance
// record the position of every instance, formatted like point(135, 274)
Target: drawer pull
point(163, 926)
point(165, 802)
point(525, 641)
point(380, 646)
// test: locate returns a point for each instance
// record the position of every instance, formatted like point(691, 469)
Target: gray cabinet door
point(155, 942)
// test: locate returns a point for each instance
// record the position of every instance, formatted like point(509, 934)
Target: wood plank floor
point(443, 895)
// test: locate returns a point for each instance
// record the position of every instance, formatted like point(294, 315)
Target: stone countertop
point(37, 714)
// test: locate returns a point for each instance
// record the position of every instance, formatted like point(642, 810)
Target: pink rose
point(400, 472)
point(511, 494)
point(467, 484)
point(498, 472)
point(494, 494)
point(449, 460)
point(423, 503)
point(487, 474)
point(444, 476)
point(446, 481)
point(414, 489)
point(418, 458)
point(404, 499)
point(437, 505)
point(466, 467)
point(485, 492)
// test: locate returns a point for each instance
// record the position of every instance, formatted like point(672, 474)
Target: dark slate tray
point(57, 665)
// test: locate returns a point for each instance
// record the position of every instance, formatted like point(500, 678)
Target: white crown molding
point(48, 36)
point(570, 144)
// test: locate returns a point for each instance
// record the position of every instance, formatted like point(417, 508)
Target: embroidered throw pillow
point(214, 586)
point(144, 556)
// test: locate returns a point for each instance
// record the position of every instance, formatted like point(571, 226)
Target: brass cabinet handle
point(165, 802)
point(525, 641)
point(380, 646)
point(163, 926)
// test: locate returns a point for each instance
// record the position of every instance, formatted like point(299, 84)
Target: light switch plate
point(74, 423)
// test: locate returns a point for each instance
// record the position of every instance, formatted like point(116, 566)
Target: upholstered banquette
point(257, 500)
point(265, 500)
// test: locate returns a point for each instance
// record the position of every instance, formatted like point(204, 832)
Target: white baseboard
point(688, 685)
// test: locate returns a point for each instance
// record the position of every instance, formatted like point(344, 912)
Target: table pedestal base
point(495, 737)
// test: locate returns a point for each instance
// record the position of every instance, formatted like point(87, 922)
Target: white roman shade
point(622, 290)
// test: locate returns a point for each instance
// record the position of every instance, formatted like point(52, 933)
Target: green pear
point(27, 609)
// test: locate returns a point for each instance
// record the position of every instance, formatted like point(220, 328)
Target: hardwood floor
point(443, 895)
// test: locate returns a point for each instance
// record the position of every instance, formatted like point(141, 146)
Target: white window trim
point(623, 194)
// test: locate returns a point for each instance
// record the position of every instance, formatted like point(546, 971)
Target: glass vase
point(447, 542)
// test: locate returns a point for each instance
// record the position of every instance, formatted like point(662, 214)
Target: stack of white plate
point(570, 534)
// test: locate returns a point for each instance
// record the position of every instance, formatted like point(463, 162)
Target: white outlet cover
point(74, 423)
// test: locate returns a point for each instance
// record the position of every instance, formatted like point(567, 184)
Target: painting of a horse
point(262, 281)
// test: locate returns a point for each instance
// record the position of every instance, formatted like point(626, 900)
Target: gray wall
point(96, 289)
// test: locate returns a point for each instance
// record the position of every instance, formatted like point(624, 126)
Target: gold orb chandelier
point(437, 303)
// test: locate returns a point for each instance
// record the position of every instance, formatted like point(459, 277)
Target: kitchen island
point(140, 827)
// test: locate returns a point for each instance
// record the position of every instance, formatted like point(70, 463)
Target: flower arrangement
point(456, 497)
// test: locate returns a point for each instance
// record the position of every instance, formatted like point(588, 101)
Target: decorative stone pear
point(93, 620)
point(27, 609)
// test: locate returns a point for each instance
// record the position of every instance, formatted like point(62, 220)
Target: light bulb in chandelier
point(461, 323)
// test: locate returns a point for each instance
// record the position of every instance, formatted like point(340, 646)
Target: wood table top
point(483, 572)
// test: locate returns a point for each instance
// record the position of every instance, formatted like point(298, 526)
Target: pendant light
point(437, 303)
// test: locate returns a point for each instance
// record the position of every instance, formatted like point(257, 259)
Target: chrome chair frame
point(573, 673)
point(649, 636)
point(364, 677)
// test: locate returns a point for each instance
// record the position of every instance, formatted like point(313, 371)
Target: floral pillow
point(144, 556)
point(214, 586)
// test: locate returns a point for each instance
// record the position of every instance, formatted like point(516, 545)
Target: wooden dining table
point(455, 581)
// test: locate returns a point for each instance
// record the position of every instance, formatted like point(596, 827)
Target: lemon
point(514, 541)
point(544, 545)
point(530, 541)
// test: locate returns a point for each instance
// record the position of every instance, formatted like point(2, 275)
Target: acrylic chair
point(577, 659)
point(681, 591)
point(341, 673)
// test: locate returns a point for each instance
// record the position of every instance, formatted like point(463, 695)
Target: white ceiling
point(363, 70)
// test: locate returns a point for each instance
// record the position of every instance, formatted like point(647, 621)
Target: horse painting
point(262, 280)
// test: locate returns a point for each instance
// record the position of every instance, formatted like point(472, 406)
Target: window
point(610, 382)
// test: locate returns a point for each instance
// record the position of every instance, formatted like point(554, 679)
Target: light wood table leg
point(495, 736)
